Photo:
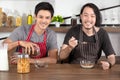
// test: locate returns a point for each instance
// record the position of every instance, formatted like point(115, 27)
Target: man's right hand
point(28, 46)
point(73, 42)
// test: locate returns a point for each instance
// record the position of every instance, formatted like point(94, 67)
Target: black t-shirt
point(104, 41)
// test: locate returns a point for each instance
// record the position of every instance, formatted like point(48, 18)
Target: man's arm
point(10, 43)
point(111, 59)
point(52, 57)
point(66, 49)
point(26, 45)
point(109, 63)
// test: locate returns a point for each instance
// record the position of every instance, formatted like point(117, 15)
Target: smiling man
point(36, 36)
point(85, 43)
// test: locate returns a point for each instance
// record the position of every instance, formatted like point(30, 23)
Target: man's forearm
point(12, 45)
point(47, 60)
point(64, 53)
point(111, 59)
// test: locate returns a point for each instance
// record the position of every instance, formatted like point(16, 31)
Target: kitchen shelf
point(64, 29)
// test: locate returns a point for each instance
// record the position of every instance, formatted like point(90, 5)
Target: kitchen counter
point(63, 72)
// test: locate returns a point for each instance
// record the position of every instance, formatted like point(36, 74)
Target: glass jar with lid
point(23, 63)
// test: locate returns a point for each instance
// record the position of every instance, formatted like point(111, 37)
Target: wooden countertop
point(64, 29)
point(63, 72)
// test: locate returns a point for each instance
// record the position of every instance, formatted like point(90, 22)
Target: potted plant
point(57, 19)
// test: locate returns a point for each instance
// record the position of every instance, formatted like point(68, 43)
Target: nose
point(43, 20)
point(89, 18)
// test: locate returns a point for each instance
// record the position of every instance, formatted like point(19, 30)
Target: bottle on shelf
point(73, 20)
point(18, 21)
point(9, 22)
point(4, 19)
point(29, 19)
point(11, 17)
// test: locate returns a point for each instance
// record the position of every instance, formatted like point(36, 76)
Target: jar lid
point(23, 55)
point(20, 56)
point(26, 56)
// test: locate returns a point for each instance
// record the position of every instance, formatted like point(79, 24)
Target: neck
point(38, 30)
point(89, 31)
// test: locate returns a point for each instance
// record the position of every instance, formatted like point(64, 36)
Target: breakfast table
point(62, 72)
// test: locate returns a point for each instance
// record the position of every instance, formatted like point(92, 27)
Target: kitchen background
point(65, 8)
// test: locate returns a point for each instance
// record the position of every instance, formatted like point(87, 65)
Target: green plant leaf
point(58, 18)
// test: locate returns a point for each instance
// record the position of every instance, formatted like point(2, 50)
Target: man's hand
point(28, 46)
point(73, 42)
point(105, 65)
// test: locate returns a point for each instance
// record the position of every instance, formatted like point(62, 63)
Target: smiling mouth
point(42, 25)
point(88, 23)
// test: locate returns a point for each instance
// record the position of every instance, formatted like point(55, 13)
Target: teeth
point(42, 25)
point(88, 22)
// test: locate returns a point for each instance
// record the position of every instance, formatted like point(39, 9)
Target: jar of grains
point(23, 63)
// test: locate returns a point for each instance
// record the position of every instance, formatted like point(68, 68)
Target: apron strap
point(30, 32)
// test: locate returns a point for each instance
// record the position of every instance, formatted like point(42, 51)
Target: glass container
point(23, 63)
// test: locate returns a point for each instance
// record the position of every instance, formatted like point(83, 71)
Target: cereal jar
point(23, 63)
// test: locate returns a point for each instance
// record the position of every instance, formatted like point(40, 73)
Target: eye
point(41, 17)
point(48, 17)
point(85, 15)
point(93, 16)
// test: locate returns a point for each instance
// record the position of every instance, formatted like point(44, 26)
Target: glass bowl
point(87, 64)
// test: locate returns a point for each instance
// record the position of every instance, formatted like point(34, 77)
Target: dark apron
point(42, 45)
point(86, 50)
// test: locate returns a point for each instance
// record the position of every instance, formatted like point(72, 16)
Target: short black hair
point(96, 11)
point(44, 6)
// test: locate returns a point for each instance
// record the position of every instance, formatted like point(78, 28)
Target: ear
point(80, 16)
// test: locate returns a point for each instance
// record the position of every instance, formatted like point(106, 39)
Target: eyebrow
point(88, 13)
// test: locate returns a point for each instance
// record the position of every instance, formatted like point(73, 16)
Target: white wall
point(115, 40)
point(13, 7)
point(62, 7)
point(67, 8)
